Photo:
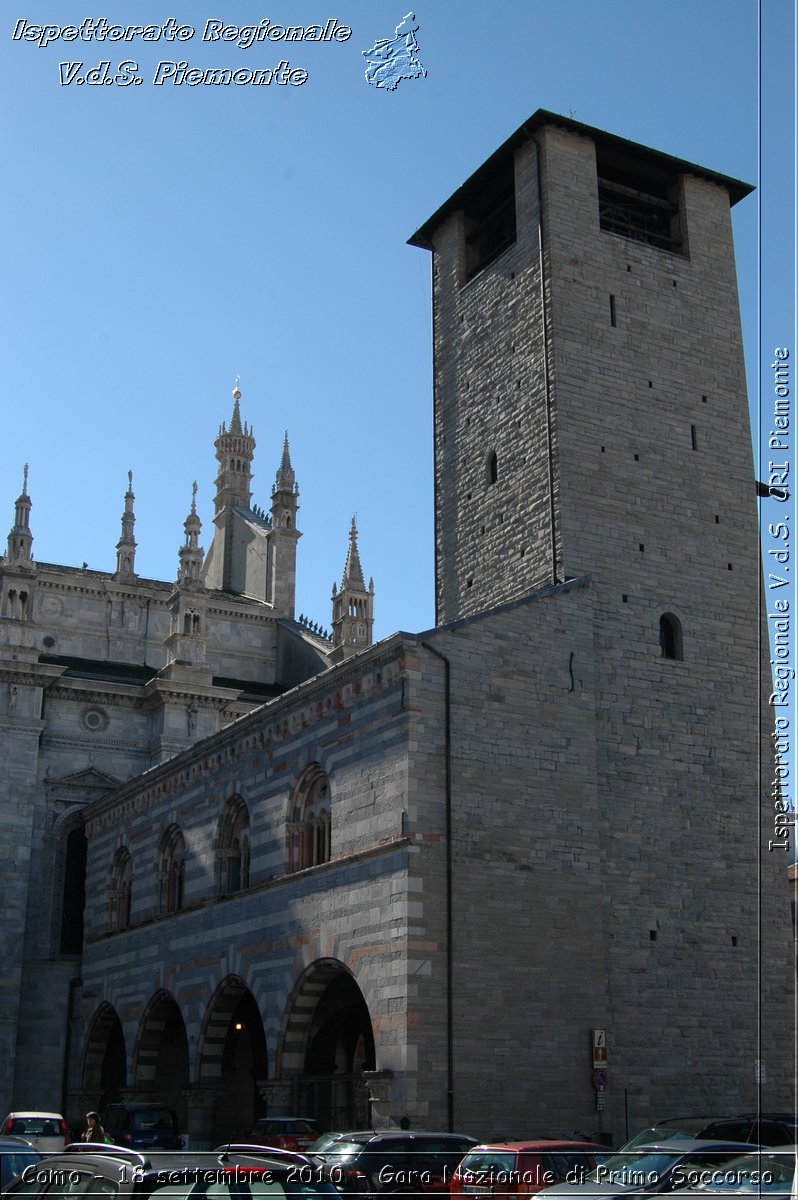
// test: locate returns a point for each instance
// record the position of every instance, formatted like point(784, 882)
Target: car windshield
point(752, 1173)
point(633, 1169)
point(34, 1127)
point(486, 1163)
point(658, 1133)
point(323, 1143)
point(340, 1150)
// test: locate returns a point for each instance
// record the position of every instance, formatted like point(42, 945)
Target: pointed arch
point(172, 869)
point(233, 1056)
point(120, 890)
point(232, 847)
point(310, 820)
point(104, 1066)
point(161, 1055)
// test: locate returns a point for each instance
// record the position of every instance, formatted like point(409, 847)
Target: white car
point(759, 1173)
point(46, 1131)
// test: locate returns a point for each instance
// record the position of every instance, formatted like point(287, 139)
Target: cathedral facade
point(256, 868)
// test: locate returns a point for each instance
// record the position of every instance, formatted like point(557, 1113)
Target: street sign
point(600, 1079)
point(599, 1047)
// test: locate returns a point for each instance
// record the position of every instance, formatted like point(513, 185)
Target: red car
point(284, 1133)
point(523, 1168)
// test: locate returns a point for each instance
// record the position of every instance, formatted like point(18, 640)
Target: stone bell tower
point(591, 423)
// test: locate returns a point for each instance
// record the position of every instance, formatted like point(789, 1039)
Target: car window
point(569, 1165)
point(485, 1165)
point(34, 1127)
point(14, 1162)
point(730, 1131)
point(770, 1133)
point(152, 1118)
point(74, 1182)
point(29, 1187)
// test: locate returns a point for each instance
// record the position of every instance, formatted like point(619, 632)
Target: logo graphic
point(390, 60)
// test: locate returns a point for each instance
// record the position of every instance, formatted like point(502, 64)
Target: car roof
point(685, 1145)
point(542, 1144)
point(370, 1133)
point(54, 1116)
point(138, 1104)
point(311, 1119)
point(160, 1160)
point(762, 1151)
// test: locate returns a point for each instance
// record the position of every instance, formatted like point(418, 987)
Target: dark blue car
point(142, 1126)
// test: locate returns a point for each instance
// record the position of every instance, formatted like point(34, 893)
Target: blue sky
point(162, 240)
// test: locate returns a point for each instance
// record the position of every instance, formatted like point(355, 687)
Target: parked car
point(375, 1161)
point(763, 1129)
point(234, 1173)
point(758, 1173)
point(142, 1126)
point(673, 1127)
point(523, 1168)
point(664, 1166)
point(15, 1155)
point(45, 1131)
point(285, 1133)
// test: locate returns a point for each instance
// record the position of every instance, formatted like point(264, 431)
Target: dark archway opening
point(162, 1058)
point(244, 1064)
point(339, 1047)
point(113, 1072)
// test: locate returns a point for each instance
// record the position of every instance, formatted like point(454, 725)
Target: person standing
point(94, 1131)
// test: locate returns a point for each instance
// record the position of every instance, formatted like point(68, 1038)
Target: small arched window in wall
point(73, 892)
point(232, 847)
point(670, 636)
point(172, 870)
point(492, 468)
point(119, 894)
point(310, 824)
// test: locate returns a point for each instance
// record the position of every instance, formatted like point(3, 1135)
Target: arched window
point(232, 847)
point(492, 468)
point(172, 872)
point(310, 826)
point(73, 892)
point(119, 893)
point(670, 636)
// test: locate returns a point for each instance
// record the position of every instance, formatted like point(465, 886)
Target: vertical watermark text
point(778, 546)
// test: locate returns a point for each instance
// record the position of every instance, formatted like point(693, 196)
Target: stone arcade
point(407, 880)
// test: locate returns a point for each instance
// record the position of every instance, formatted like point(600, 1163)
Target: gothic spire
point(20, 538)
point(285, 480)
point(126, 546)
point(353, 605)
point(353, 572)
point(191, 553)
